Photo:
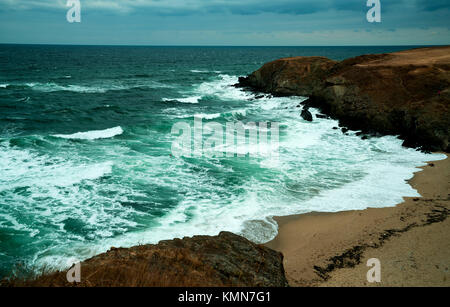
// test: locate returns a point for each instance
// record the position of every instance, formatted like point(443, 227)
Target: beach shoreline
point(410, 239)
point(312, 249)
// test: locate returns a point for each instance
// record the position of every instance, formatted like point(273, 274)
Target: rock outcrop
point(306, 115)
point(224, 260)
point(289, 76)
point(404, 93)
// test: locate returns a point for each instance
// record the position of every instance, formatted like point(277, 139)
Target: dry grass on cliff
point(212, 265)
point(175, 268)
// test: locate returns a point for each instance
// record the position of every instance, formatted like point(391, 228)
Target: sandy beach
point(410, 240)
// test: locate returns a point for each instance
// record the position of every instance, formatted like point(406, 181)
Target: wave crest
point(193, 99)
point(93, 135)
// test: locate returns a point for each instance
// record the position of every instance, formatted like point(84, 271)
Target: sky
point(226, 22)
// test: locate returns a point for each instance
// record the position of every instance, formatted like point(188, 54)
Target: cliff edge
point(226, 260)
point(404, 93)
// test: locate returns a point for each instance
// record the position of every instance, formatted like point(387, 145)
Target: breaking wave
point(93, 135)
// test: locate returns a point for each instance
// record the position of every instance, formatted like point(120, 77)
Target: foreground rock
point(224, 260)
point(404, 93)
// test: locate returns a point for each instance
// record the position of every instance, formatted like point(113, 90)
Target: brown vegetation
point(203, 261)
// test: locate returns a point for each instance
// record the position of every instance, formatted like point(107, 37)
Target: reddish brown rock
point(289, 76)
point(404, 93)
point(224, 260)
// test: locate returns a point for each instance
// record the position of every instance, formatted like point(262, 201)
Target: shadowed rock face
point(404, 93)
point(224, 260)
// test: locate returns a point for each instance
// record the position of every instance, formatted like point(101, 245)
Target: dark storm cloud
point(257, 22)
point(185, 7)
point(433, 5)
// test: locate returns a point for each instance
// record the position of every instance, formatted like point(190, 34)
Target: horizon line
point(149, 45)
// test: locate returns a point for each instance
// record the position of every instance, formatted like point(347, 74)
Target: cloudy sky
point(226, 22)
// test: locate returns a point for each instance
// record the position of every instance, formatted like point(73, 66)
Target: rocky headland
point(226, 260)
point(404, 93)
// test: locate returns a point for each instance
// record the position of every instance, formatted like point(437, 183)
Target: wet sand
point(412, 240)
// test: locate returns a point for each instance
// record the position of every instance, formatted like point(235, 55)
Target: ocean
point(86, 157)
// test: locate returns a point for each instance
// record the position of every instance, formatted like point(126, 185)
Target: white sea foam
point(223, 89)
point(220, 87)
point(198, 71)
point(95, 88)
point(24, 168)
point(53, 87)
point(207, 116)
point(192, 99)
point(4, 85)
point(93, 135)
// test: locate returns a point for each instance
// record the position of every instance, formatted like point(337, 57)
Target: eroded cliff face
point(290, 76)
point(405, 93)
point(223, 260)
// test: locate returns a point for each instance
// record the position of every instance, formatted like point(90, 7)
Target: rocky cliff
point(404, 93)
point(224, 260)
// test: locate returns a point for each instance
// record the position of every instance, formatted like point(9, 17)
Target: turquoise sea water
point(85, 151)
